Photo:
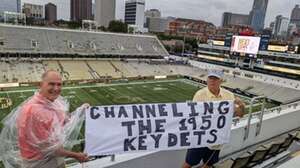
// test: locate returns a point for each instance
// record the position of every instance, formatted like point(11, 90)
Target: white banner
point(149, 127)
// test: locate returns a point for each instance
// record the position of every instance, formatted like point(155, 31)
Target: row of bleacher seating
point(275, 92)
point(24, 71)
point(77, 70)
point(20, 39)
point(272, 91)
point(259, 77)
point(16, 71)
point(267, 154)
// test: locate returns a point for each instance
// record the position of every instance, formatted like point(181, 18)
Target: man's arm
point(80, 157)
point(239, 107)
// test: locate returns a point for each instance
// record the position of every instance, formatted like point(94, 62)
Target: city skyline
point(214, 9)
point(210, 11)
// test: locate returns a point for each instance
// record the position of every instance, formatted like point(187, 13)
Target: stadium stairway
point(116, 68)
point(64, 73)
point(93, 73)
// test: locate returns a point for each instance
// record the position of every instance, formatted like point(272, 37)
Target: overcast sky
point(208, 10)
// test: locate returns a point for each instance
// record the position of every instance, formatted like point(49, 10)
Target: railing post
point(247, 128)
point(261, 115)
point(235, 121)
point(112, 158)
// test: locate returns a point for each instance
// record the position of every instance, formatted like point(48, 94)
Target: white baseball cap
point(216, 73)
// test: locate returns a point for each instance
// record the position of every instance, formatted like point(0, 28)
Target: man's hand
point(85, 106)
point(239, 107)
point(81, 157)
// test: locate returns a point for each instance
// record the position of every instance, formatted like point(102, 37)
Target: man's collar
point(42, 98)
point(211, 95)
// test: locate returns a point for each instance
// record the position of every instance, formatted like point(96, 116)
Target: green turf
point(142, 92)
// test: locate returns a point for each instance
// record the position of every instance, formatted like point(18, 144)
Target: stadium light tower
point(183, 47)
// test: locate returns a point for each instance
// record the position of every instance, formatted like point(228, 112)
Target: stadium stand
point(19, 39)
point(125, 69)
point(20, 71)
point(104, 69)
point(28, 71)
point(77, 70)
point(5, 76)
point(275, 88)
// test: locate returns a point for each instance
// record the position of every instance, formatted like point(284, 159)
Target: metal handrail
point(247, 128)
point(261, 115)
point(277, 109)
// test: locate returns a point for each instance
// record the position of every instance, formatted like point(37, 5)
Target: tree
point(130, 30)
point(29, 20)
point(102, 28)
point(68, 24)
point(117, 26)
point(191, 44)
point(74, 24)
point(178, 49)
point(168, 48)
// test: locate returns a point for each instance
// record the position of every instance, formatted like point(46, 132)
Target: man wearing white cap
point(213, 92)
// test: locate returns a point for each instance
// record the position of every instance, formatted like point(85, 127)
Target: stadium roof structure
point(38, 40)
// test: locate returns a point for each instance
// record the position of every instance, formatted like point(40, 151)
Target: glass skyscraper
point(258, 14)
point(295, 16)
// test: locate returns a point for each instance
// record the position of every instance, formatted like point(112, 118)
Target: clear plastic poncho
point(35, 130)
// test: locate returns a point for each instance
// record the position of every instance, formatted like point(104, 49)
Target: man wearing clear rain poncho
point(38, 132)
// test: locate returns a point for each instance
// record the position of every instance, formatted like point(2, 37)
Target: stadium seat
point(273, 149)
point(257, 156)
point(240, 162)
point(297, 136)
point(286, 144)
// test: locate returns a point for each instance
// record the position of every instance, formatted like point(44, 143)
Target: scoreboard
point(245, 44)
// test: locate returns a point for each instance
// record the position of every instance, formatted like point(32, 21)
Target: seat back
point(273, 150)
point(241, 162)
point(258, 155)
point(286, 144)
point(297, 136)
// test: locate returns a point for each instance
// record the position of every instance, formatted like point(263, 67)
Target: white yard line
point(122, 84)
point(99, 85)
